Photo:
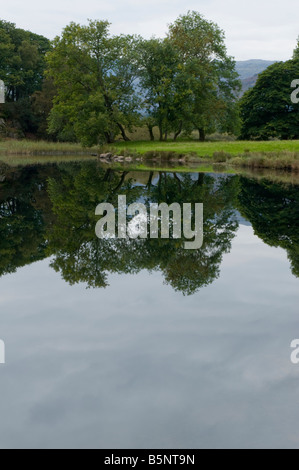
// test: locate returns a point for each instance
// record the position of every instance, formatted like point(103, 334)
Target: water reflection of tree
point(25, 211)
point(80, 256)
point(49, 210)
point(272, 209)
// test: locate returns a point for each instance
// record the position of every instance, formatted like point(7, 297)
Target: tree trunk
point(202, 135)
point(165, 135)
point(161, 133)
point(108, 175)
point(178, 132)
point(178, 180)
point(200, 179)
point(123, 133)
point(123, 176)
point(150, 129)
point(109, 137)
point(150, 179)
point(159, 182)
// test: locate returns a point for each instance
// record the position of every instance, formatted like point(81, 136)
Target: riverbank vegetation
point(275, 155)
point(40, 148)
point(280, 155)
point(207, 149)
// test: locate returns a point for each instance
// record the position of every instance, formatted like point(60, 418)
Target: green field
point(207, 149)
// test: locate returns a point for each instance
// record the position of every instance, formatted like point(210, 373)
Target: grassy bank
point(24, 160)
point(207, 149)
point(29, 147)
point(200, 149)
point(278, 155)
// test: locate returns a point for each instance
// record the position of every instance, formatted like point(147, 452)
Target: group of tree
point(267, 110)
point(22, 68)
point(108, 84)
point(81, 257)
point(97, 86)
point(91, 87)
point(50, 212)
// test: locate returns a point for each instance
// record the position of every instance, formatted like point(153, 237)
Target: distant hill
point(249, 83)
point(249, 71)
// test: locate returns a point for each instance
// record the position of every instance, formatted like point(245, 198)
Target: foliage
point(187, 79)
point(21, 60)
point(41, 105)
point(50, 211)
point(106, 84)
point(93, 74)
point(79, 256)
point(267, 110)
point(210, 73)
point(22, 66)
point(272, 209)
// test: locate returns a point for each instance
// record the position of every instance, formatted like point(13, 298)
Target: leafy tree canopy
point(22, 61)
point(94, 75)
point(267, 109)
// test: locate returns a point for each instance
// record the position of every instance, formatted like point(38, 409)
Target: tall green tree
point(267, 109)
point(22, 65)
point(188, 81)
point(164, 85)
point(41, 106)
point(211, 76)
point(94, 75)
point(22, 60)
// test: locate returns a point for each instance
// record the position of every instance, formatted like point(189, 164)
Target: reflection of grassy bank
point(278, 176)
point(273, 160)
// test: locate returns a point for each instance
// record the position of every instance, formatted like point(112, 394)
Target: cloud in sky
point(259, 29)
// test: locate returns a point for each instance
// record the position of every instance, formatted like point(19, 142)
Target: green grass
point(29, 147)
point(207, 149)
point(23, 160)
point(278, 155)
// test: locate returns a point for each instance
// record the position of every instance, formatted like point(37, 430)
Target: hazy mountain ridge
point(249, 71)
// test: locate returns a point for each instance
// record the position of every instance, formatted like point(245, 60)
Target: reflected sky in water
point(138, 365)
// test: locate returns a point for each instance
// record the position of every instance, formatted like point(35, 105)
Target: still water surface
point(143, 344)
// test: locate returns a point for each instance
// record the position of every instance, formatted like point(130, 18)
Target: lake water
point(142, 344)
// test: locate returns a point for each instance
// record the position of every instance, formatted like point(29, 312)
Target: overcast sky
point(256, 29)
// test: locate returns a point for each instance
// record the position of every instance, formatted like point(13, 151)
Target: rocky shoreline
point(110, 158)
point(150, 156)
